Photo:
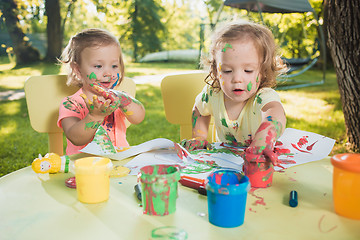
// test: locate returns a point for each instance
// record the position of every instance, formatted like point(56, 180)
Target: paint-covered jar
point(159, 185)
point(227, 194)
point(346, 182)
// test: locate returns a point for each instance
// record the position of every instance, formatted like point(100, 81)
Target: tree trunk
point(24, 52)
point(53, 29)
point(343, 29)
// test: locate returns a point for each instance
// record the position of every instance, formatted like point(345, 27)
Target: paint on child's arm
point(194, 119)
point(227, 45)
point(92, 125)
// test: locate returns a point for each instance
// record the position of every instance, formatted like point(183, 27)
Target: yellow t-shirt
point(242, 130)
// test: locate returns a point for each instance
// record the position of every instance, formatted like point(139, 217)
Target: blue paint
point(117, 80)
point(227, 193)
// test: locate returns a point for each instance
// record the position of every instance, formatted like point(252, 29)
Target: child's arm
point(81, 132)
point(133, 109)
point(272, 126)
point(200, 128)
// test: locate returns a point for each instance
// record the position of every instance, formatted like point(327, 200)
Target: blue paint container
point(226, 194)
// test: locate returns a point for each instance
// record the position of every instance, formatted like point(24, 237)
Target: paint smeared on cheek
point(92, 76)
point(117, 81)
point(249, 86)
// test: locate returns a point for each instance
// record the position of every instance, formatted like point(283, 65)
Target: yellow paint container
point(346, 182)
point(93, 179)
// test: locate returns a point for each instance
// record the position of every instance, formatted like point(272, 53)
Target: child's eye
point(98, 66)
point(226, 71)
point(115, 66)
point(248, 71)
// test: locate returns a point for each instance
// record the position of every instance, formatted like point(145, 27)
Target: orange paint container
point(346, 182)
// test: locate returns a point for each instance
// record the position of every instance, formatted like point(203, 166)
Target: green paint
point(223, 122)
point(257, 79)
point(258, 98)
point(249, 86)
point(102, 139)
point(92, 76)
point(194, 119)
point(159, 189)
point(92, 125)
point(227, 45)
point(205, 97)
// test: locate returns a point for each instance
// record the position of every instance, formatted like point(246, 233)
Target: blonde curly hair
point(263, 39)
point(92, 37)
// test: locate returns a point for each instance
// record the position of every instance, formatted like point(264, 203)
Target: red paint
point(320, 227)
point(302, 141)
point(311, 146)
point(260, 199)
point(294, 146)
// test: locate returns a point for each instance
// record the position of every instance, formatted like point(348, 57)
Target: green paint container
point(159, 184)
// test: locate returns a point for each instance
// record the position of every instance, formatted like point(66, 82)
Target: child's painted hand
point(194, 144)
point(100, 108)
point(260, 155)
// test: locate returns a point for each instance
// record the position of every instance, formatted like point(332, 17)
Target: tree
point(145, 26)
point(24, 52)
point(343, 30)
point(53, 29)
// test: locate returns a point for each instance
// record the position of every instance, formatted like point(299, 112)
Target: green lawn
point(316, 109)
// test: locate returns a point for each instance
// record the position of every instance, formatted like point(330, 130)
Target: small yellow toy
point(51, 163)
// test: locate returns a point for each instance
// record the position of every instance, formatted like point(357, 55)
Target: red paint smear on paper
point(294, 146)
point(320, 227)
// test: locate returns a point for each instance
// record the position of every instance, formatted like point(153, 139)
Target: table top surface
point(32, 208)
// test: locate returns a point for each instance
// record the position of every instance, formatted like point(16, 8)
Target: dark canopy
point(271, 6)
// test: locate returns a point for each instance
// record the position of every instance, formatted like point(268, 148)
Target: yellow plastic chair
point(43, 96)
point(179, 92)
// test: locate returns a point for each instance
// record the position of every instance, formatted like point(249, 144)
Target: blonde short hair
point(263, 39)
point(92, 37)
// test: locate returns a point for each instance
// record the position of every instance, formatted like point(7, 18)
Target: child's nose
point(237, 78)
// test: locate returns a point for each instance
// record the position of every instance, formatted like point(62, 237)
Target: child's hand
point(100, 108)
point(120, 98)
point(194, 144)
point(260, 154)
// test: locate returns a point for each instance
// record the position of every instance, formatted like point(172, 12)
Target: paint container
point(92, 176)
point(260, 173)
point(159, 185)
point(226, 194)
point(346, 182)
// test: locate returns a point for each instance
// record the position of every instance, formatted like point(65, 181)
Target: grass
point(316, 109)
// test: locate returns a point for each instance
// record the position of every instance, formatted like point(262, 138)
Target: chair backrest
point(43, 96)
point(178, 93)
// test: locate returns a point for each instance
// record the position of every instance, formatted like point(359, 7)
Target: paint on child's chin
point(249, 86)
point(92, 76)
point(227, 45)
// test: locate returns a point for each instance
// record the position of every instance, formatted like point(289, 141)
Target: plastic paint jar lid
point(347, 161)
